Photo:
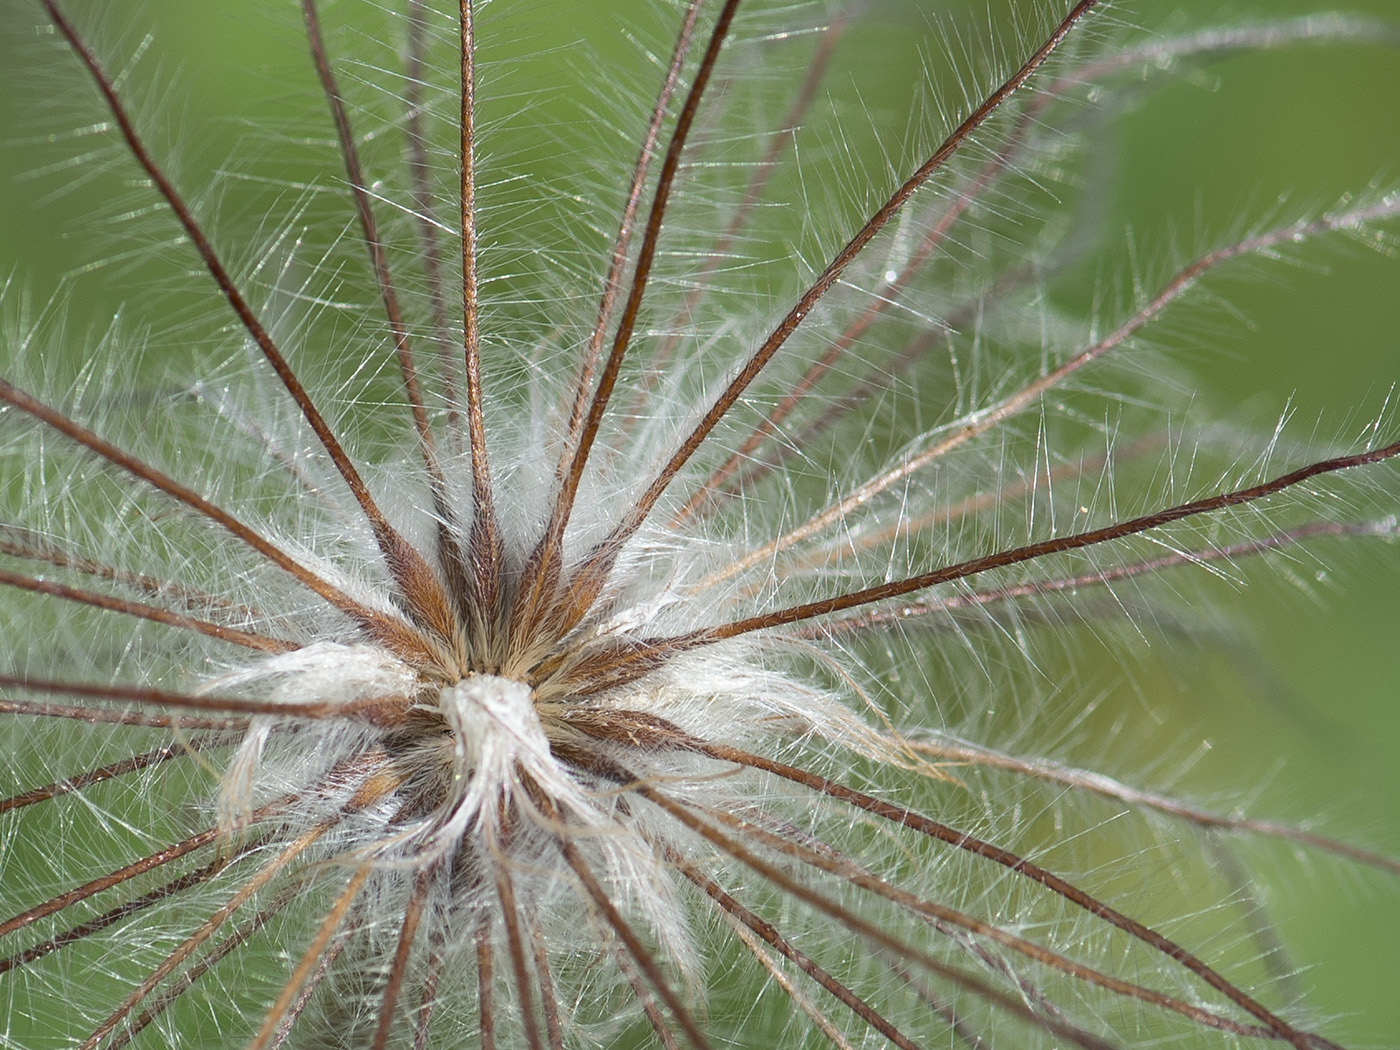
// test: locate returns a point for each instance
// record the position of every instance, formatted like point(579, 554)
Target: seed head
point(603, 581)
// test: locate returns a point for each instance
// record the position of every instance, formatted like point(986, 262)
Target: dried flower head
point(607, 572)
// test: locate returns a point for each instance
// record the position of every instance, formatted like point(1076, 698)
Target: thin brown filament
point(607, 380)
point(635, 948)
point(785, 834)
point(370, 233)
point(945, 917)
point(1014, 556)
point(423, 209)
point(418, 584)
point(1101, 578)
point(369, 230)
point(1001, 162)
point(110, 716)
point(813, 295)
point(956, 1024)
point(135, 763)
point(388, 629)
point(150, 862)
point(427, 1000)
point(203, 932)
point(643, 995)
point(799, 998)
point(334, 919)
point(644, 959)
point(23, 543)
point(542, 570)
point(126, 909)
point(1107, 787)
point(779, 140)
point(398, 969)
point(1029, 395)
point(769, 933)
point(485, 981)
point(553, 1022)
point(380, 710)
point(485, 544)
point(403, 561)
point(874, 933)
point(322, 971)
point(963, 841)
point(612, 283)
point(515, 943)
point(159, 1004)
point(240, 935)
point(880, 301)
point(141, 610)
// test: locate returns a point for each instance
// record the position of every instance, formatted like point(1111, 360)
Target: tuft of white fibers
point(691, 525)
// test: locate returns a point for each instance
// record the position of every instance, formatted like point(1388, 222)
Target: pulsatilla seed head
point(602, 575)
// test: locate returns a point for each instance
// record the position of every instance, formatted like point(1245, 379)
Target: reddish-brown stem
point(324, 965)
point(388, 629)
point(981, 422)
point(485, 982)
point(779, 140)
point(864, 539)
point(135, 763)
point(770, 934)
point(783, 980)
point(124, 910)
point(310, 958)
point(1159, 53)
point(115, 878)
point(961, 840)
point(398, 969)
point(813, 295)
point(654, 1016)
point(485, 551)
point(1099, 578)
point(866, 929)
point(639, 952)
point(369, 230)
point(586, 587)
point(201, 934)
point(553, 1022)
point(1107, 787)
point(515, 943)
point(1014, 556)
point(949, 920)
point(22, 543)
point(171, 994)
point(109, 716)
point(880, 301)
point(406, 565)
point(612, 283)
point(428, 232)
point(425, 596)
point(378, 710)
point(247, 639)
point(542, 571)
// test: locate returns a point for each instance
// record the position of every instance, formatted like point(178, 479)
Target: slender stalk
point(542, 570)
point(141, 610)
point(637, 659)
point(485, 547)
point(407, 566)
point(834, 269)
point(584, 586)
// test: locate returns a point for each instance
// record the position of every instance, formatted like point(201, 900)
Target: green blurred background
point(1310, 122)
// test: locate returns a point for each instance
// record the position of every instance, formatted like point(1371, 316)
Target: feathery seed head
point(583, 604)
